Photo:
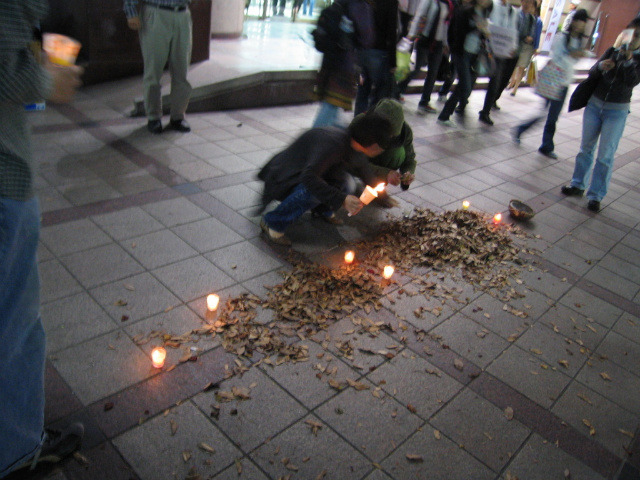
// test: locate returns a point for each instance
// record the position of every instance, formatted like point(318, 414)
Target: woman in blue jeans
point(466, 32)
point(618, 72)
point(565, 52)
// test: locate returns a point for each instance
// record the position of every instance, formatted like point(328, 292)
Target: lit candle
point(388, 271)
point(158, 356)
point(379, 188)
point(465, 205)
point(497, 218)
point(368, 195)
point(212, 302)
point(349, 256)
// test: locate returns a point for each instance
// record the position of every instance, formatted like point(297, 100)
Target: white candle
point(158, 355)
point(212, 302)
point(466, 204)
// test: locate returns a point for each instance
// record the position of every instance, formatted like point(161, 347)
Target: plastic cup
point(368, 195)
point(62, 50)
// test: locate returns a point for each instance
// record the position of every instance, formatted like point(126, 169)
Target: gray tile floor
point(138, 229)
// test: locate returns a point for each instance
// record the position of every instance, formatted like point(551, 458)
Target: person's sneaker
point(445, 123)
point(572, 191)
point(515, 135)
point(593, 205)
point(273, 236)
point(154, 126)
point(180, 125)
point(427, 108)
point(442, 98)
point(485, 118)
point(552, 155)
point(58, 444)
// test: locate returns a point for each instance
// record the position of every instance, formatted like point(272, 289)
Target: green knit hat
point(392, 111)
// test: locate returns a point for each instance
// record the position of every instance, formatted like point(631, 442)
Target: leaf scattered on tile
point(414, 458)
point(437, 434)
point(315, 426)
point(206, 447)
point(459, 364)
point(411, 408)
point(174, 427)
point(508, 413)
point(186, 455)
point(592, 430)
point(537, 351)
point(626, 432)
point(564, 363)
point(605, 376)
point(584, 398)
point(80, 458)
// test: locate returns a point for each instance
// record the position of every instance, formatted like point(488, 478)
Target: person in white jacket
point(429, 26)
point(566, 50)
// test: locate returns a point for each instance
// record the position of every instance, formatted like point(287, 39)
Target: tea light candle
point(497, 218)
point(158, 356)
point(465, 205)
point(387, 272)
point(212, 302)
point(349, 256)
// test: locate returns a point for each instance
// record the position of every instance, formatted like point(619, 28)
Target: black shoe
point(572, 191)
point(179, 125)
point(496, 107)
point(485, 118)
point(593, 205)
point(154, 126)
point(57, 446)
point(552, 155)
point(459, 110)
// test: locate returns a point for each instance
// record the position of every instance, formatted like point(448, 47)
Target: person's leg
point(612, 128)
point(448, 82)
point(509, 67)
point(494, 86)
point(422, 53)
point(434, 59)
point(516, 78)
point(555, 108)
point(461, 63)
point(155, 44)
point(364, 89)
point(527, 124)
point(327, 115)
point(22, 355)
point(591, 126)
point(291, 208)
point(382, 79)
point(179, 60)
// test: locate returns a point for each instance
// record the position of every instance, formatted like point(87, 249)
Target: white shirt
point(441, 29)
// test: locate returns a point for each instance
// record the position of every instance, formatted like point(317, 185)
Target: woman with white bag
point(554, 80)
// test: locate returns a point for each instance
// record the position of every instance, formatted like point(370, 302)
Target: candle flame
point(388, 271)
point(379, 187)
point(158, 355)
point(212, 302)
point(465, 204)
point(497, 218)
point(349, 256)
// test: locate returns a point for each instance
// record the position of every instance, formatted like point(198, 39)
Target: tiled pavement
point(137, 229)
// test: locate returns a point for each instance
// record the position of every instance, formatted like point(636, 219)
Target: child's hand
point(408, 178)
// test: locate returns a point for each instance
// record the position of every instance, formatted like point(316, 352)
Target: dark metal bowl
point(520, 210)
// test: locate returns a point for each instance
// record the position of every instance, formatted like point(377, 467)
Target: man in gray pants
point(165, 36)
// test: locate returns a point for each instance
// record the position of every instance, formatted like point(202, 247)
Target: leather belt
point(177, 8)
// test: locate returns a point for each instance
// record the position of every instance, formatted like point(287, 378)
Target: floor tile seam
point(471, 384)
point(79, 212)
point(558, 430)
point(515, 454)
point(245, 453)
point(131, 152)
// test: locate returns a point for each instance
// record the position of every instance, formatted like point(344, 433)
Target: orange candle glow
point(388, 271)
point(466, 204)
point(349, 256)
point(158, 355)
point(212, 302)
point(497, 218)
point(380, 188)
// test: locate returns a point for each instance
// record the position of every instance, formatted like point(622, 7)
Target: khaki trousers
point(165, 37)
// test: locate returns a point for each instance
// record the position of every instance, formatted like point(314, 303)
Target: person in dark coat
point(315, 172)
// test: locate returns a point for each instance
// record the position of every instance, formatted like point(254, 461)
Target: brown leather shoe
point(282, 240)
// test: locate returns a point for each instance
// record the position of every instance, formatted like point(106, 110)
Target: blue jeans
point(327, 115)
point(466, 79)
point(430, 54)
point(608, 125)
point(378, 81)
point(299, 201)
point(22, 354)
point(554, 110)
point(308, 4)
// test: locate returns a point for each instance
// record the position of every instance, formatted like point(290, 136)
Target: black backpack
point(332, 33)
